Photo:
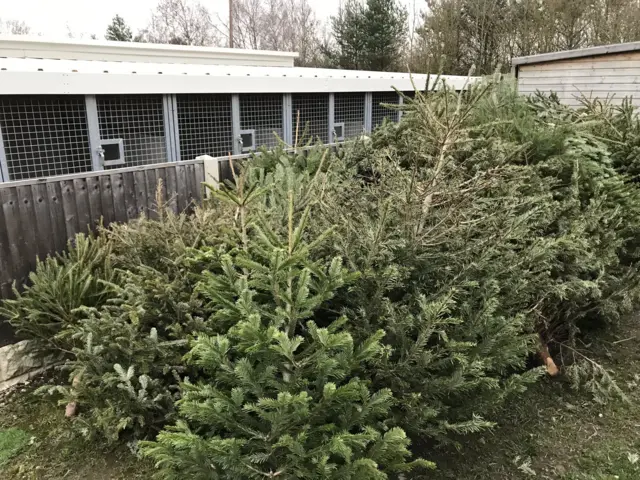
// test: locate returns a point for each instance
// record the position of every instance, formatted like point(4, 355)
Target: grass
point(553, 432)
point(550, 433)
point(54, 452)
point(12, 440)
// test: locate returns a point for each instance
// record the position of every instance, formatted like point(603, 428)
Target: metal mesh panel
point(139, 121)
point(262, 113)
point(314, 116)
point(204, 125)
point(44, 135)
point(349, 109)
point(378, 112)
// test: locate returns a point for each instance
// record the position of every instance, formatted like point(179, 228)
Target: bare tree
point(248, 23)
point(572, 24)
point(615, 21)
point(284, 25)
point(14, 27)
point(440, 43)
point(180, 22)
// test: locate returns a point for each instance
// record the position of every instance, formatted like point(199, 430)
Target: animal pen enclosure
point(87, 129)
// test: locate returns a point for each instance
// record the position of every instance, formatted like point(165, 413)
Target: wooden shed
point(608, 71)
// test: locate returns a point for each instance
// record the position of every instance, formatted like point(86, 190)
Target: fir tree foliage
point(120, 308)
point(370, 35)
point(122, 367)
point(119, 31)
point(322, 309)
point(46, 311)
point(282, 397)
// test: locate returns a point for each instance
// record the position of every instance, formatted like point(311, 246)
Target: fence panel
point(349, 115)
point(310, 117)
point(44, 135)
point(39, 217)
point(137, 120)
point(379, 111)
point(261, 121)
point(204, 125)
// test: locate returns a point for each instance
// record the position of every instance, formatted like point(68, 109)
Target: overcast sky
point(84, 17)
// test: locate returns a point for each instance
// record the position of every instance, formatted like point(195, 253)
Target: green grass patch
point(12, 441)
point(56, 451)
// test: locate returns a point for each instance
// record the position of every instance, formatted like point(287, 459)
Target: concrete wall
point(17, 364)
point(614, 75)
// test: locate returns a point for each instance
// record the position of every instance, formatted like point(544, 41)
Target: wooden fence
point(38, 217)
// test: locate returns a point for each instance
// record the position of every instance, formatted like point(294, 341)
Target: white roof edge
point(579, 53)
point(30, 76)
point(20, 46)
point(55, 83)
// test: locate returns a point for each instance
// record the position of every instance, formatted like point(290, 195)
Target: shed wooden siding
point(615, 76)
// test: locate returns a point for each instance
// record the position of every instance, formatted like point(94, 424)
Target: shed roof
point(579, 53)
point(46, 76)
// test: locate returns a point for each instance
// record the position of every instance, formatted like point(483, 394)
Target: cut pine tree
point(547, 360)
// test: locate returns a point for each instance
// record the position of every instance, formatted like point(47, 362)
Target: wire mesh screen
point(410, 94)
point(379, 112)
point(44, 135)
point(139, 121)
point(262, 113)
point(349, 109)
point(314, 116)
point(204, 125)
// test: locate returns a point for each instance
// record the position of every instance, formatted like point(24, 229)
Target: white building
point(71, 107)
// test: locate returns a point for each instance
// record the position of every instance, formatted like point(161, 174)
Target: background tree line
point(449, 36)
point(459, 34)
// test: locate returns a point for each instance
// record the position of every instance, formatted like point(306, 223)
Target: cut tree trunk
point(72, 407)
point(547, 360)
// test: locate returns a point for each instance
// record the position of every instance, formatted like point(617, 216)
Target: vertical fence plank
point(181, 187)
point(42, 220)
point(130, 196)
point(82, 204)
point(6, 267)
point(199, 172)
point(70, 208)
point(226, 172)
point(95, 201)
point(6, 290)
point(171, 182)
point(142, 196)
point(56, 216)
point(152, 191)
point(27, 213)
point(15, 240)
point(161, 174)
point(117, 192)
point(106, 192)
point(197, 186)
point(191, 183)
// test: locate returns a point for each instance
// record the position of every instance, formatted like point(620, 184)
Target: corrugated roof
point(579, 53)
